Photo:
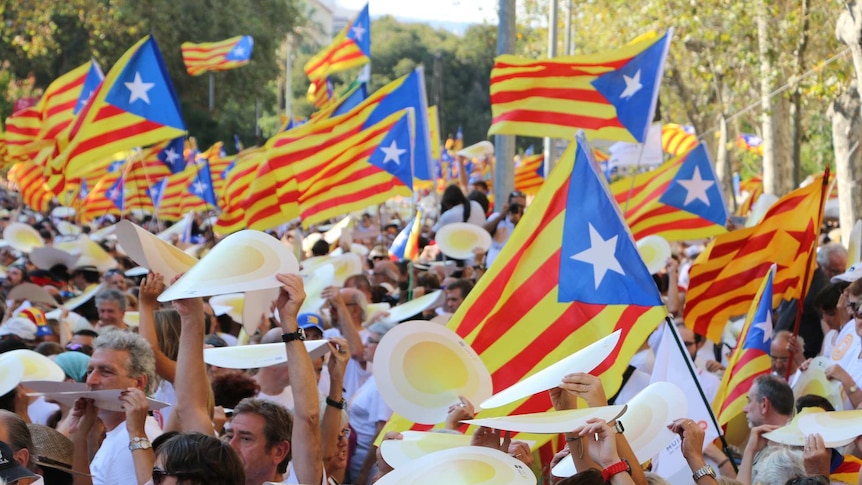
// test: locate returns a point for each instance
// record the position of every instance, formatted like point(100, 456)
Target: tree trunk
point(767, 76)
point(845, 116)
point(796, 95)
point(782, 149)
point(846, 123)
point(723, 170)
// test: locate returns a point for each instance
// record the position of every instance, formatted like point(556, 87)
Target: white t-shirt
point(165, 393)
point(496, 247)
point(285, 398)
point(113, 463)
point(366, 408)
point(456, 214)
point(40, 410)
point(847, 346)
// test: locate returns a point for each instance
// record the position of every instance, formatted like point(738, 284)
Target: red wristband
point(618, 467)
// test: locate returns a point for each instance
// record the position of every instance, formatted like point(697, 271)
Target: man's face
point(835, 265)
point(688, 340)
point(110, 314)
point(82, 340)
point(453, 299)
point(245, 434)
point(780, 357)
point(116, 280)
point(752, 409)
point(108, 369)
point(518, 200)
point(14, 276)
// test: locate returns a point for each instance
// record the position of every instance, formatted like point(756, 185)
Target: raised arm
point(331, 428)
point(151, 287)
point(192, 385)
point(346, 323)
point(307, 456)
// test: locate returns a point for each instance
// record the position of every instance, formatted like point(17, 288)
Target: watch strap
point(290, 337)
point(334, 403)
point(702, 472)
point(618, 467)
point(138, 443)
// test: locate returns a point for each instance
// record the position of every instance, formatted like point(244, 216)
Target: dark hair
point(813, 401)
point(481, 184)
point(464, 285)
point(453, 196)
point(777, 392)
point(278, 427)
point(201, 459)
point(214, 340)
point(590, 476)
point(481, 199)
point(516, 208)
point(320, 248)
point(809, 480)
point(86, 332)
point(232, 386)
point(827, 298)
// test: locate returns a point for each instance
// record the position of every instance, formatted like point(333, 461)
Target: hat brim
point(152, 252)
point(321, 278)
point(422, 367)
point(814, 381)
point(244, 261)
point(233, 302)
point(467, 465)
point(257, 304)
point(409, 309)
point(551, 422)
point(22, 237)
point(583, 360)
point(48, 257)
point(458, 240)
point(257, 356)
point(654, 251)
point(37, 367)
point(649, 413)
point(33, 293)
point(837, 428)
point(416, 444)
point(107, 399)
point(11, 374)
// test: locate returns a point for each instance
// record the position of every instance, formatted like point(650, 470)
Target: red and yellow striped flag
point(527, 177)
point(679, 200)
point(350, 48)
point(847, 471)
point(217, 56)
point(754, 188)
point(28, 177)
point(22, 128)
point(233, 197)
point(524, 315)
point(554, 97)
point(725, 277)
point(675, 140)
point(57, 104)
point(750, 358)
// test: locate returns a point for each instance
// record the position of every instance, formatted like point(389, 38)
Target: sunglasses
point(159, 475)
point(854, 308)
point(517, 194)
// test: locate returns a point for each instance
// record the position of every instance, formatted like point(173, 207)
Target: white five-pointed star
point(765, 327)
point(200, 187)
point(696, 188)
point(171, 155)
point(633, 85)
point(358, 31)
point(86, 99)
point(601, 254)
point(393, 153)
point(138, 89)
point(239, 51)
point(115, 193)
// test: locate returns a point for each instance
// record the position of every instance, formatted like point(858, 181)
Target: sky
point(467, 11)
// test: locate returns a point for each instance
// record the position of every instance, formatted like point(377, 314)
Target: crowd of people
point(88, 313)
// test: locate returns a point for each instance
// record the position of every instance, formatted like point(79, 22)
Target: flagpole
point(690, 364)
point(212, 92)
point(149, 186)
point(806, 281)
point(637, 167)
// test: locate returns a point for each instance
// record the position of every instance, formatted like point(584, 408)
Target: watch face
point(300, 333)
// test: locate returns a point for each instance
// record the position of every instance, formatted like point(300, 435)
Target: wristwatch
point(290, 337)
point(702, 472)
point(138, 443)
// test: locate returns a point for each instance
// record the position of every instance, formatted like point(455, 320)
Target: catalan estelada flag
point(350, 48)
point(677, 140)
point(750, 358)
point(847, 471)
point(679, 200)
point(359, 171)
point(320, 92)
point(217, 56)
point(22, 128)
point(28, 177)
point(136, 106)
point(750, 143)
point(610, 95)
point(405, 247)
point(529, 172)
point(528, 311)
point(233, 197)
point(57, 104)
point(754, 188)
point(725, 277)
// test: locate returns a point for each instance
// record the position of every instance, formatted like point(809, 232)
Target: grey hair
point(788, 334)
point(112, 295)
point(828, 250)
point(655, 479)
point(141, 361)
point(359, 298)
point(777, 465)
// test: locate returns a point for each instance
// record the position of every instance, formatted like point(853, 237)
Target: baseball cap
point(852, 274)
point(10, 470)
point(310, 320)
point(20, 327)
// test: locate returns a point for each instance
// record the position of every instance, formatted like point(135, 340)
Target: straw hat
point(457, 240)
point(466, 465)
point(52, 449)
point(654, 251)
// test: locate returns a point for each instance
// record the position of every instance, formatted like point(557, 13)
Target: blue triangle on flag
point(91, 83)
point(116, 193)
point(695, 188)
point(360, 31)
point(241, 51)
point(157, 192)
point(172, 155)
point(632, 89)
point(395, 152)
point(596, 244)
point(143, 88)
point(760, 332)
point(202, 185)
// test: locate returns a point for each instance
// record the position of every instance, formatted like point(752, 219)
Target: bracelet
point(572, 439)
point(618, 467)
point(334, 403)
